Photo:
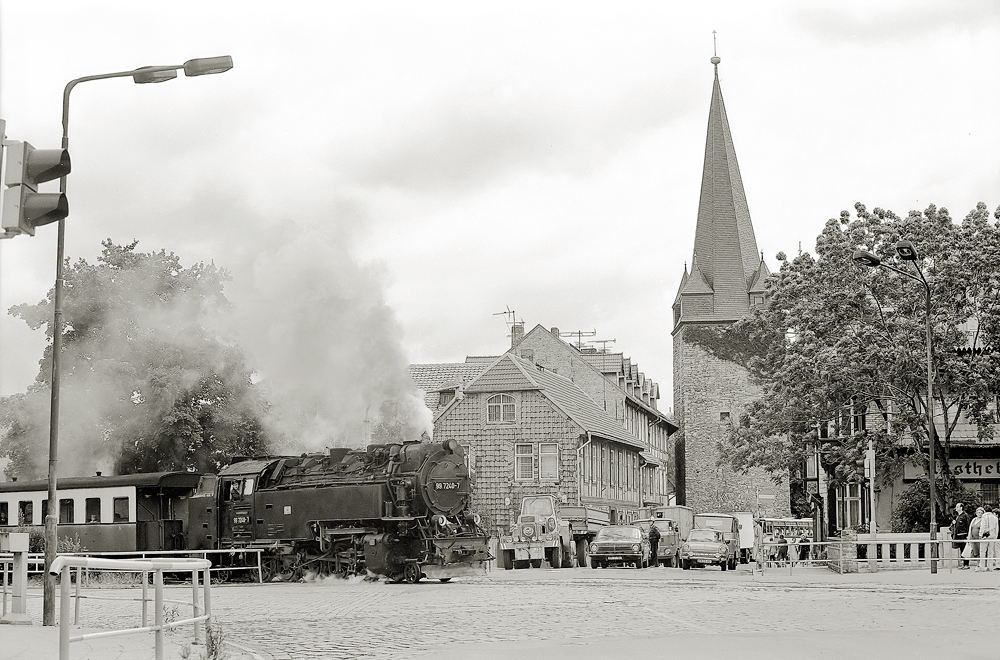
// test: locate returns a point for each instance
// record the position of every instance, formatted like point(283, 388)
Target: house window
point(66, 512)
point(523, 461)
point(991, 494)
point(859, 418)
point(500, 409)
point(548, 461)
point(93, 505)
point(444, 398)
point(470, 459)
point(121, 509)
point(849, 508)
point(545, 456)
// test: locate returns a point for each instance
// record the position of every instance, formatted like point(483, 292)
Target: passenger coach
point(127, 513)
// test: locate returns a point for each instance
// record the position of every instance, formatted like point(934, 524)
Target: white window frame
point(528, 460)
point(548, 452)
point(524, 455)
point(501, 409)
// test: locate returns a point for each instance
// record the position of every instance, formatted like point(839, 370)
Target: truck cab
point(545, 530)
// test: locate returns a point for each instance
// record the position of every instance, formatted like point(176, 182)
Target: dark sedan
point(620, 545)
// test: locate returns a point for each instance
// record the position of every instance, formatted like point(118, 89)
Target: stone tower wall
point(704, 388)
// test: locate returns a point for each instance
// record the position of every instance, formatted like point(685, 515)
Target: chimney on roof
point(555, 332)
point(98, 473)
point(516, 333)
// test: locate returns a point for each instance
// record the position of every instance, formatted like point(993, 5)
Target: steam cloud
point(327, 347)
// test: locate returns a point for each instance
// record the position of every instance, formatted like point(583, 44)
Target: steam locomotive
point(399, 510)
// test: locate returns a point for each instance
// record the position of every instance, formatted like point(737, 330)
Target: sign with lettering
point(966, 469)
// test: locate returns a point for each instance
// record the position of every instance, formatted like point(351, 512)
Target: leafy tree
point(835, 334)
point(145, 384)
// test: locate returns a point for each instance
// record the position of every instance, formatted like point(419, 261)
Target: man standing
point(989, 528)
point(961, 536)
point(654, 542)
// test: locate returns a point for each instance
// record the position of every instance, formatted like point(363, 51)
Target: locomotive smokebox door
point(444, 481)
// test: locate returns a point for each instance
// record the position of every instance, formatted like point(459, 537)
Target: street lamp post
point(907, 252)
point(143, 75)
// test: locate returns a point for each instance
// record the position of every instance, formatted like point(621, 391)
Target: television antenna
point(580, 334)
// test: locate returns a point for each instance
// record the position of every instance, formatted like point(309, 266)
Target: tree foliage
point(834, 334)
point(145, 383)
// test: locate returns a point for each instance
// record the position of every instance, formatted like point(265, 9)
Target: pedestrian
point(960, 534)
point(782, 549)
point(989, 527)
point(973, 546)
point(758, 545)
point(654, 542)
point(803, 547)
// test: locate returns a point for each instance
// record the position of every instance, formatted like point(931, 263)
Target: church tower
point(725, 281)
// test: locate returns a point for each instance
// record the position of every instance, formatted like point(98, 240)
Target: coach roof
point(142, 480)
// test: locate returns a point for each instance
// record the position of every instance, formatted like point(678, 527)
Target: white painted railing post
point(145, 599)
point(194, 606)
point(76, 606)
point(158, 612)
point(64, 614)
point(208, 597)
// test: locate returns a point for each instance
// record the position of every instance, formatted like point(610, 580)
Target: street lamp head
point(204, 66)
point(906, 251)
point(153, 74)
point(866, 259)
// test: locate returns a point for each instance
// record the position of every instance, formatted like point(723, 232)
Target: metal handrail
point(64, 563)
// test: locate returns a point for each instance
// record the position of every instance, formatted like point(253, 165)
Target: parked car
point(704, 547)
point(668, 549)
point(620, 545)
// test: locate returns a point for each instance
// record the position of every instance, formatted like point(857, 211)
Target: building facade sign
point(966, 469)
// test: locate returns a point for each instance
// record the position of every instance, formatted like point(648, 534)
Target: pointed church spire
point(724, 237)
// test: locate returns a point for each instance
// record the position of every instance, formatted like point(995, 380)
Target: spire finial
point(715, 55)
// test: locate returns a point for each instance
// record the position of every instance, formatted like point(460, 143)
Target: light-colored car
point(705, 547)
point(620, 545)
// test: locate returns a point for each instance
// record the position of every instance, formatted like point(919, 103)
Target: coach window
point(3, 513)
point(121, 509)
point(500, 409)
point(93, 508)
point(25, 514)
point(66, 512)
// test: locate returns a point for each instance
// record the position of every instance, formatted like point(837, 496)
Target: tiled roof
point(724, 245)
point(608, 363)
point(513, 373)
point(433, 377)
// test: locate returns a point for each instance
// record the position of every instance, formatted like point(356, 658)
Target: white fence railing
point(64, 563)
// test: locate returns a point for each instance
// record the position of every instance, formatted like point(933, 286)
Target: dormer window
point(500, 409)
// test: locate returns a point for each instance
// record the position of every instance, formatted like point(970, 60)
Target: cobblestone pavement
point(334, 619)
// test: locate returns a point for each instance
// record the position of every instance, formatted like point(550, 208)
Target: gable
point(504, 375)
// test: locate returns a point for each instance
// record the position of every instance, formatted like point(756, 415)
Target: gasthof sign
point(970, 469)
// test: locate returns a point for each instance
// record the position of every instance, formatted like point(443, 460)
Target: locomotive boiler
point(398, 510)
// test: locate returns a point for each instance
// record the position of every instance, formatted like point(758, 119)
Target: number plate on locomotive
point(446, 485)
point(241, 520)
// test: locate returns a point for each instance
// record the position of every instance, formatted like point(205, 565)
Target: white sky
point(540, 156)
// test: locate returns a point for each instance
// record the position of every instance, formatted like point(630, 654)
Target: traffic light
point(24, 208)
point(869, 463)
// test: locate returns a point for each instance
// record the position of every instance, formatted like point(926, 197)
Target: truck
point(550, 531)
point(682, 517)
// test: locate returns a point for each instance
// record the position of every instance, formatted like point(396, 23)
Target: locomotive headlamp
point(441, 520)
point(474, 518)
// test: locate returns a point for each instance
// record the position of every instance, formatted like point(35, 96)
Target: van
point(729, 525)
